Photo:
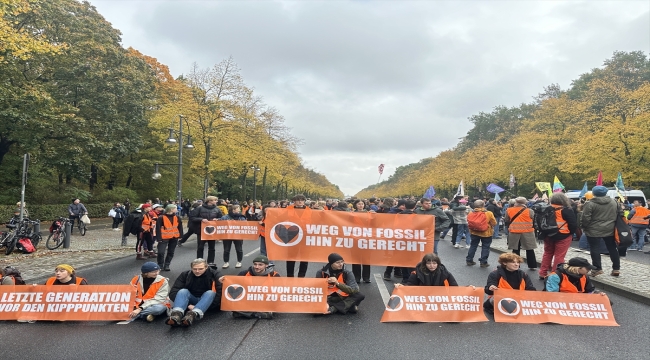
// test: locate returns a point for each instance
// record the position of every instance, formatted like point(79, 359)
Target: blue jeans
point(435, 246)
point(201, 305)
point(583, 243)
point(485, 248)
point(463, 229)
point(496, 228)
point(638, 237)
point(151, 310)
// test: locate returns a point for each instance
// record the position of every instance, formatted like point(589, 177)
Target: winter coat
point(350, 286)
point(553, 280)
point(599, 216)
point(442, 221)
point(209, 212)
point(491, 222)
point(198, 285)
point(512, 277)
point(437, 278)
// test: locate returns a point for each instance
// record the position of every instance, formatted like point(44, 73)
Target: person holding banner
point(194, 292)
point(571, 277)
point(260, 268)
point(441, 220)
point(64, 274)
point(361, 271)
point(234, 213)
point(151, 290)
point(506, 276)
point(206, 212)
point(430, 272)
point(299, 204)
point(170, 229)
point(343, 291)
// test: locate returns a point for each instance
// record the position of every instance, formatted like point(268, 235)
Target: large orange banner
point(361, 238)
point(537, 307)
point(274, 294)
point(86, 303)
point(435, 304)
point(229, 230)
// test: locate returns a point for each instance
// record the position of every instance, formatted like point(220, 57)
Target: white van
point(630, 195)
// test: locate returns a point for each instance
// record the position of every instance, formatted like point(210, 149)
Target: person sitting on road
point(194, 292)
point(260, 268)
point(64, 274)
point(151, 290)
point(571, 277)
point(343, 290)
point(11, 276)
point(506, 276)
point(430, 272)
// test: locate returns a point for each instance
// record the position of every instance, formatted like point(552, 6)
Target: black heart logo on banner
point(235, 292)
point(209, 230)
point(286, 234)
point(509, 306)
point(394, 302)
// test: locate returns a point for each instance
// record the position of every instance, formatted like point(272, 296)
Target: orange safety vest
point(503, 284)
point(639, 213)
point(331, 288)
point(566, 286)
point(147, 223)
point(562, 226)
point(523, 223)
point(150, 294)
point(51, 280)
point(271, 274)
point(262, 227)
point(169, 229)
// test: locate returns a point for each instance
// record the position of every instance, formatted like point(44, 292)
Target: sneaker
point(398, 273)
point(615, 273)
point(175, 318)
point(484, 265)
point(354, 309)
point(532, 269)
point(264, 315)
point(471, 263)
point(212, 265)
point(595, 273)
point(331, 310)
point(225, 265)
point(166, 268)
point(150, 317)
point(639, 249)
point(367, 281)
point(463, 246)
point(189, 318)
point(141, 257)
point(387, 277)
point(456, 246)
point(238, 264)
point(237, 315)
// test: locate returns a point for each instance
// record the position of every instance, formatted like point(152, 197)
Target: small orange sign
point(537, 307)
point(274, 294)
point(230, 230)
point(435, 304)
point(361, 238)
point(60, 303)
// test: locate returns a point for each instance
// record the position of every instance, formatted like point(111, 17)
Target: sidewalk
point(633, 283)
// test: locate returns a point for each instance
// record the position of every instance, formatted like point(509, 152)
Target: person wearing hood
point(234, 213)
point(208, 211)
point(151, 291)
point(507, 275)
point(571, 277)
point(598, 221)
point(430, 272)
point(343, 291)
point(441, 222)
point(170, 229)
point(260, 267)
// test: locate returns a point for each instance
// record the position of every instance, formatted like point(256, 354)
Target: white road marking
point(383, 291)
point(252, 252)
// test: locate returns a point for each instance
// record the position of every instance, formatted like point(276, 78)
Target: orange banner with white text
point(61, 303)
point(435, 304)
point(361, 238)
point(229, 230)
point(274, 294)
point(537, 307)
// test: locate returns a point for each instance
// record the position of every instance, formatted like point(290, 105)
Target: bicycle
point(82, 226)
point(55, 240)
point(24, 229)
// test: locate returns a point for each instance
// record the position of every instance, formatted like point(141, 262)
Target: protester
point(170, 229)
point(459, 212)
point(496, 209)
point(118, 214)
point(208, 211)
point(409, 207)
point(64, 274)
point(386, 208)
point(233, 214)
point(506, 276)
point(430, 272)
point(638, 217)
point(361, 271)
point(556, 246)
point(298, 204)
point(151, 291)
point(194, 292)
point(149, 219)
point(441, 220)
point(484, 237)
point(598, 220)
point(343, 290)
point(192, 228)
point(571, 277)
point(521, 233)
point(11, 276)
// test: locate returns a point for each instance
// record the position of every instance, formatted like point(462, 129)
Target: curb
point(45, 277)
point(618, 290)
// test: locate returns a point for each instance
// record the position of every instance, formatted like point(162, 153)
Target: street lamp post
point(255, 170)
point(172, 140)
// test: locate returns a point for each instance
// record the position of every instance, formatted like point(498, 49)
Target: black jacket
point(437, 278)
point(268, 272)
point(187, 280)
point(209, 212)
point(495, 210)
point(570, 217)
point(512, 277)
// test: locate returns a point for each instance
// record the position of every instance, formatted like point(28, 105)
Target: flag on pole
point(430, 193)
point(619, 182)
point(544, 187)
point(494, 188)
point(584, 190)
point(461, 189)
point(497, 197)
point(599, 179)
point(557, 185)
point(535, 197)
point(381, 169)
point(512, 181)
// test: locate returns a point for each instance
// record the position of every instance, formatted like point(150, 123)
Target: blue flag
point(619, 182)
point(430, 193)
point(494, 188)
point(584, 190)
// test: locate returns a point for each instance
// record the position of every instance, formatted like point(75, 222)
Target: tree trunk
point(93, 177)
point(264, 185)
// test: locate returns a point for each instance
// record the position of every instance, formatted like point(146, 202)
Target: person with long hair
point(430, 272)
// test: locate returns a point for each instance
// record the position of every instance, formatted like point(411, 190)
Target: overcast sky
point(370, 82)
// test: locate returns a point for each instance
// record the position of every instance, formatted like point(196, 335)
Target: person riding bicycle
point(76, 210)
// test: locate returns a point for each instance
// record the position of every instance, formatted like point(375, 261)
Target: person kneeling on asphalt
point(572, 277)
point(507, 275)
point(151, 290)
point(260, 268)
point(430, 272)
point(64, 274)
point(194, 292)
point(343, 290)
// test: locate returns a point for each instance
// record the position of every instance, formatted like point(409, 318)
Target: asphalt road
point(296, 336)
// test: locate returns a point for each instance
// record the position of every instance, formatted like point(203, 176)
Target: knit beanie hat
point(599, 190)
point(334, 257)
point(66, 267)
point(262, 259)
point(149, 267)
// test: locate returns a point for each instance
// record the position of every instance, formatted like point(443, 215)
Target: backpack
point(14, 273)
point(477, 221)
point(544, 220)
point(133, 223)
point(25, 245)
